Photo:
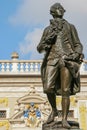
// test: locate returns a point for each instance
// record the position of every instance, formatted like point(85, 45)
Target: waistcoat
point(63, 45)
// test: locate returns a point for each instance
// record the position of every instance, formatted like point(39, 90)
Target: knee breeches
point(51, 76)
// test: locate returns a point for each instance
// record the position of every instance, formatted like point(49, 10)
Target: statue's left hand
point(75, 56)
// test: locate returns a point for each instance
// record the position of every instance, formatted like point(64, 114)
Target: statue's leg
point(51, 75)
point(52, 100)
point(65, 110)
point(65, 86)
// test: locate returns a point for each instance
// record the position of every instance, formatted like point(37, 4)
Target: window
point(2, 114)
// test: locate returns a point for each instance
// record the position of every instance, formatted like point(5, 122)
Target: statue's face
point(57, 11)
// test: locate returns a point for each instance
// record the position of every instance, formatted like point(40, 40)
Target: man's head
point(57, 10)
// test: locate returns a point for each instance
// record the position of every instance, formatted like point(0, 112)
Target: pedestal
point(58, 126)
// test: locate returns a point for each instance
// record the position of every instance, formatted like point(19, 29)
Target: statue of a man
point(60, 67)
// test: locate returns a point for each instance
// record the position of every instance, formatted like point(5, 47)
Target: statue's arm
point(78, 48)
point(42, 45)
point(76, 42)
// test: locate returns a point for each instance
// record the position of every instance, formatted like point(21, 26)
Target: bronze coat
point(70, 45)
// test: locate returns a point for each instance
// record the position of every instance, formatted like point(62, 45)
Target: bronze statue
point(63, 57)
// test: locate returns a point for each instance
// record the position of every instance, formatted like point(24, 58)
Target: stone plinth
point(58, 126)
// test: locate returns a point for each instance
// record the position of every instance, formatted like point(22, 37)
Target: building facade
point(23, 105)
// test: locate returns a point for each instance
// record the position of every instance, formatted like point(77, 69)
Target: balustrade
point(20, 66)
point(28, 66)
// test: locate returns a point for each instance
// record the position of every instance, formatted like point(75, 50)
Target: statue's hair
point(55, 6)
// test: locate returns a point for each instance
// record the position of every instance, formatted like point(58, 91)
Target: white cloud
point(32, 13)
point(37, 11)
point(30, 42)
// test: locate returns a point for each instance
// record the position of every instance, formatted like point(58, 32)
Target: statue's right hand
point(43, 47)
point(39, 48)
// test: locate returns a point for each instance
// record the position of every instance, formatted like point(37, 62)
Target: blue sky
point(22, 23)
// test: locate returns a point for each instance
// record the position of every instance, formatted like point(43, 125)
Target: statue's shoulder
point(47, 28)
point(69, 25)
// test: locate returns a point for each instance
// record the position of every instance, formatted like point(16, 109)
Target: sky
point(23, 21)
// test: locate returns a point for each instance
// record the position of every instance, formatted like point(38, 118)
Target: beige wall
point(12, 87)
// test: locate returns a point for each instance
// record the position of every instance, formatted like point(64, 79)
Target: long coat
point(71, 46)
